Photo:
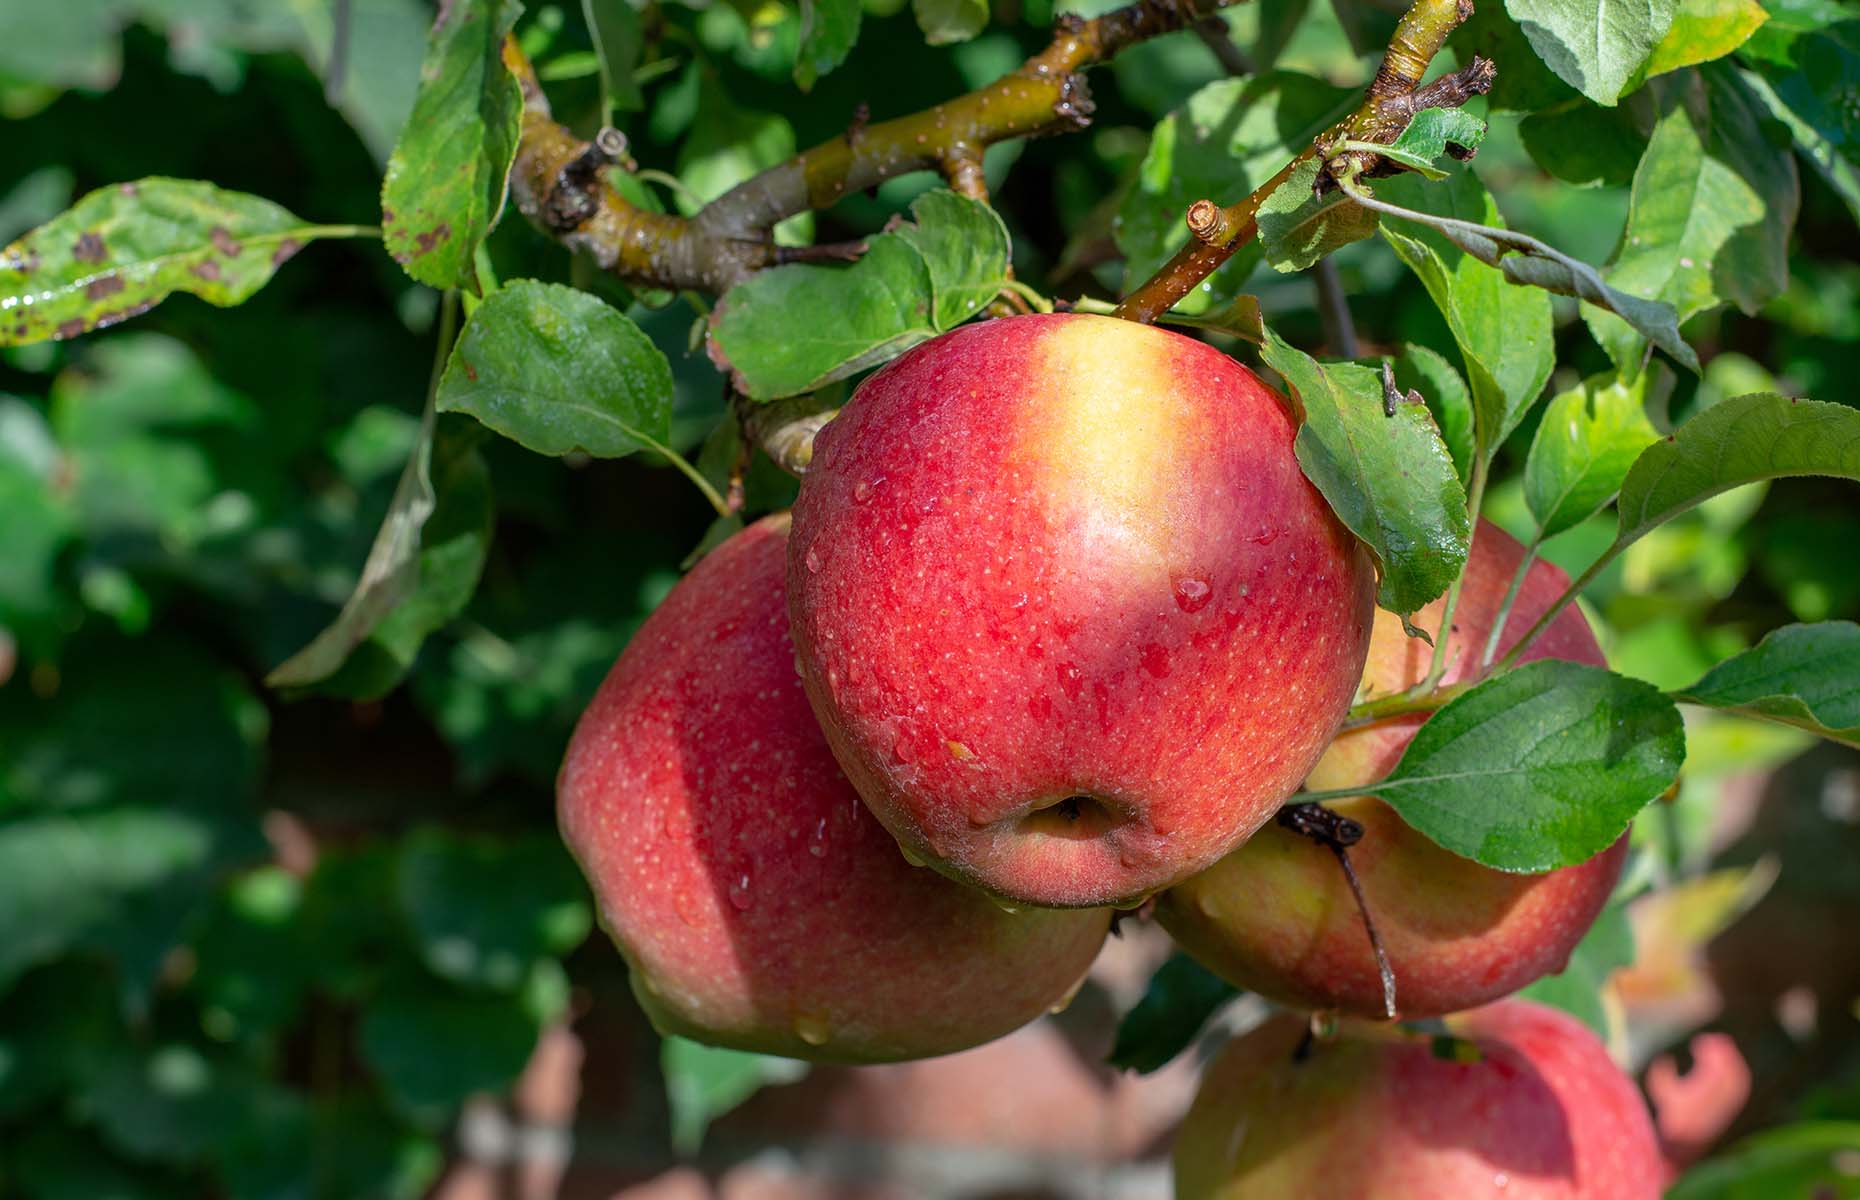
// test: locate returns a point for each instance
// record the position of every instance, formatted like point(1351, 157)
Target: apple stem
point(1504, 608)
point(1338, 833)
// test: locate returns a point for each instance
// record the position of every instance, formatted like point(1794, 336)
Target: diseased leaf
point(829, 29)
point(1589, 437)
point(1388, 477)
point(1297, 227)
point(1807, 676)
point(1503, 332)
point(445, 181)
point(946, 21)
point(558, 370)
point(1540, 767)
point(1595, 46)
point(125, 248)
point(1181, 996)
point(1229, 138)
point(704, 1082)
point(1425, 371)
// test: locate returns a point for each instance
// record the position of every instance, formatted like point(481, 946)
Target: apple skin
point(1374, 1114)
point(1277, 917)
point(757, 902)
point(1071, 616)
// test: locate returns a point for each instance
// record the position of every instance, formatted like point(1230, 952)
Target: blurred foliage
point(265, 945)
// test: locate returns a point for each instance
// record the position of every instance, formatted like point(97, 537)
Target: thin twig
point(1334, 309)
point(1337, 833)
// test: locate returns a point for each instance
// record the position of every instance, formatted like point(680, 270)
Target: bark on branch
point(556, 180)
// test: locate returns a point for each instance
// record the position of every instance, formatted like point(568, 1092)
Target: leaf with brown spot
point(123, 249)
point(446, 179)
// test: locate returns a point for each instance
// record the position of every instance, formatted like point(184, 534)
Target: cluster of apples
point(1057, 625)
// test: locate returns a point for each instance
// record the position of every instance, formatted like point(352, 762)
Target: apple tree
point(1358, 488)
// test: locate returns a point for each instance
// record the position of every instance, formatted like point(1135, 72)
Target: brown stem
point(729, 238)
point(1337, 833)
point(785, 429)
point(1389, 103)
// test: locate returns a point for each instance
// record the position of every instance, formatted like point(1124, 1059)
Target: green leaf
point(432, 1046)
point(794, 328)
point(446, 179)
point(1577, 988)
point(1503, 331)
point(125, 248)
point(1524, 84)
point(964, 246)
point(1703, 30)
point(1807, 676)
point(1423, 370)
point(1589, 437)
point(704, 1082)
point(419, 575)
point(1388, 477)
point(557, 370)
point(1595, 46)
point(1585, 145)
point(946, 21)
point(1229, 138)
point(1523, 260)
point(485, 911)
point(1739, 441)
point(1810, 1159)
point(1181, 996)
point(1540, 767)
point(829, 30)
point(253, 966)
point(1422, 146)
point(170, 1103)
point(1713, 203)
point(1297, 227)
point(1278, 21)
point(614, 27)
point(1240, 319)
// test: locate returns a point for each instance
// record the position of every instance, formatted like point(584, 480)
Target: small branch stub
point(1337, 833)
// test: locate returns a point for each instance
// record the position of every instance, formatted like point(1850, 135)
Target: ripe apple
point(1528, 1107)
point(1072, 618)
point(757, 902)
point(1277, 916)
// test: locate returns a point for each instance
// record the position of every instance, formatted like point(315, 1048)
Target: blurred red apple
point(757, 902)
point(1277, 916)
point(1528, 1107)
point(1070, 614)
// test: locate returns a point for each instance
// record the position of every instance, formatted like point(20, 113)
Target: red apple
point(1277, 916)
point(1528, 1107)
point(757, 902)
point(1071, 616)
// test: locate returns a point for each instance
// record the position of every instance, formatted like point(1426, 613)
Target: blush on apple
point(757, 902)
point(1277, 916)
point(1070, 614)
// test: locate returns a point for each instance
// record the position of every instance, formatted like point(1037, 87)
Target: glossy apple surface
point(1277, 916)
point(757, 902)
point(1069, 612)
point(1540, 1112)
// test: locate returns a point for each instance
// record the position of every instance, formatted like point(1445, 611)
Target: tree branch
point(1389, 103)
point(729, 238)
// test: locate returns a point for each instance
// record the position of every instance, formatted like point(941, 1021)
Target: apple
point(1277, 916)
point(1528, 1106)
point(1072, 618)
point(757, 902)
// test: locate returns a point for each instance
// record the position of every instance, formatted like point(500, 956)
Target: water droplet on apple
point(812, 559)
point(1501, 1181)
point(686, 907)
point(1265, 537)
point(1064, 1002)
point(1010, 909)
point(817, 844)
point(1192, 595)
point(862, 491)
point(740, 897)
point(810, 1029)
